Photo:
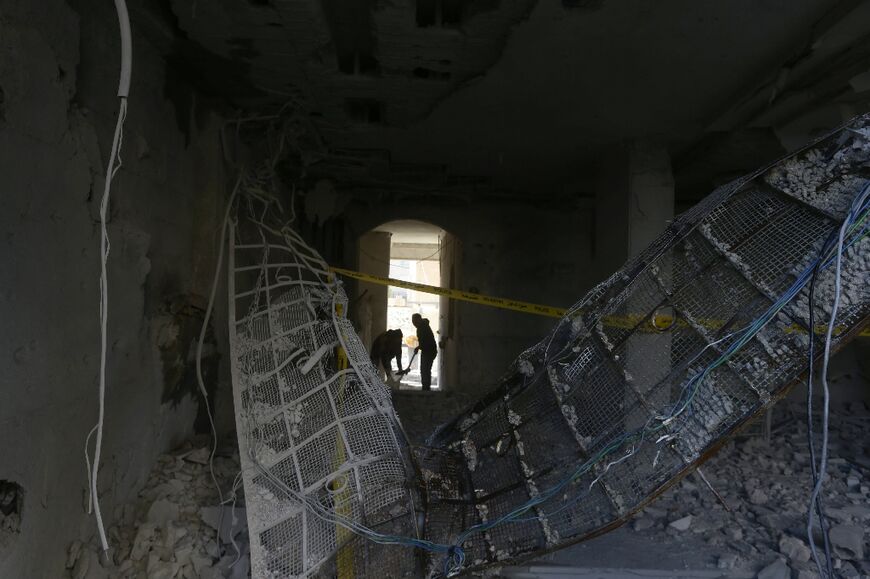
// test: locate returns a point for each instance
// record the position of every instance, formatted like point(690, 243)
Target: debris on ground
point(767, 486)
point(172, 530)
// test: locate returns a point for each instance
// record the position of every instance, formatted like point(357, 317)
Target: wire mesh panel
point(321, 449)
point(648, 372)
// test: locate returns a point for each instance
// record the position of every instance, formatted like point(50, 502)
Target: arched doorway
point(420, 252)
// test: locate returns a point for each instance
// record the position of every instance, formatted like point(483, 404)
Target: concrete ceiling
point(518, 96)
point(572, 80)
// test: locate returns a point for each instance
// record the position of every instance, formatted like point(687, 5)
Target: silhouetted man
point(427, 347)
point(386, 347)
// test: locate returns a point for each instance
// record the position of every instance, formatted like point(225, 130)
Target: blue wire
point(456, 555)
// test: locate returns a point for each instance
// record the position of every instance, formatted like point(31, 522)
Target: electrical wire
point(820, 510)
point(201, 341)
point(820, 473)
point(105, 246)
point(661, 426)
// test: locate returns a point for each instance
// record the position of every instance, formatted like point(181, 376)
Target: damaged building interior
point(434, 288)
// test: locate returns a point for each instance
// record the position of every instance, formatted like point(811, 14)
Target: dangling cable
point(858, 207)
point(820, 508)
point(111, 168)
point(199, 344)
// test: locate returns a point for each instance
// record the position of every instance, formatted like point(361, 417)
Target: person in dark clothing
point(386, 347)
point(427, 347)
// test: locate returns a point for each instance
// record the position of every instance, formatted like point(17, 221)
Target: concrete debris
point(161, 512)
point(682, 524)
point(776, 570)
point(758, 497)
point(728, 561)
point(170, 533)
point(794, 549)
point(227, 519)
point(199, 456)
point(643, 523)
point(848, 541)
point(767, 487)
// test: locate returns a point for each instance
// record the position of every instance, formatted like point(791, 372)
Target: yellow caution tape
point(661, 323)
point(340, 487)
point(503, 303)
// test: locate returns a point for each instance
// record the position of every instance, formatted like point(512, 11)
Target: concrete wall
point(507, 249)
point(58, 77)
point(374, 258)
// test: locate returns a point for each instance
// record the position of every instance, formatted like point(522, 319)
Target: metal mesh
point(634, 386)
point(320, 443)
point(607, 409)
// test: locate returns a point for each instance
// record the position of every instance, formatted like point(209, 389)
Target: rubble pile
point(766, 486)
point(172, 530)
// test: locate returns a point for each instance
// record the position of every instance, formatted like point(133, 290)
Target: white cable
point(88, 468)
point(111, 169)
point(823, 461)
point(199, 344)
point(126, 49)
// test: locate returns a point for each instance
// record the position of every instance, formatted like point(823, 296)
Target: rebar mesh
point(320, 444)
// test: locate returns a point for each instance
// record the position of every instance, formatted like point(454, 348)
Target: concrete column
point(634, 203)
point(374, 258)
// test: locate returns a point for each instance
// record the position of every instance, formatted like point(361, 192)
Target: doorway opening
point(418, 252)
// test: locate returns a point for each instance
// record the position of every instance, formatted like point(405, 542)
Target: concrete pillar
point(634, 203)
point(449, 337)
point(374, 258)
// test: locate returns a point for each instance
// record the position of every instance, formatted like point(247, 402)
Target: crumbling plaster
point(58, 76)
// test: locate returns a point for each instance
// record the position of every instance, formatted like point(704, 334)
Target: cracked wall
point(58, 80)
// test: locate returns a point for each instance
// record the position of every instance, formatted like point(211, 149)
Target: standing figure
point(427, 347)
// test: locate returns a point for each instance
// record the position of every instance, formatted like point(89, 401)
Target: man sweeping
point(427, 347)
point(386, 347)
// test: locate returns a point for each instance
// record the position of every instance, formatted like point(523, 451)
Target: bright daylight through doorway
point(415, 254)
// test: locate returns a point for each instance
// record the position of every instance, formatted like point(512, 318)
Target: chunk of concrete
point(848, 542)
point(162, 512)
point(198, 456)
point(682, 524)
point(776, 570)
point(794, 549)
point(727, 561)
point(758, 497)
point(145, 537)
point(643, 523)
point(232, 521)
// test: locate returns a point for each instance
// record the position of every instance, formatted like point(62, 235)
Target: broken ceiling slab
point(613, 406)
